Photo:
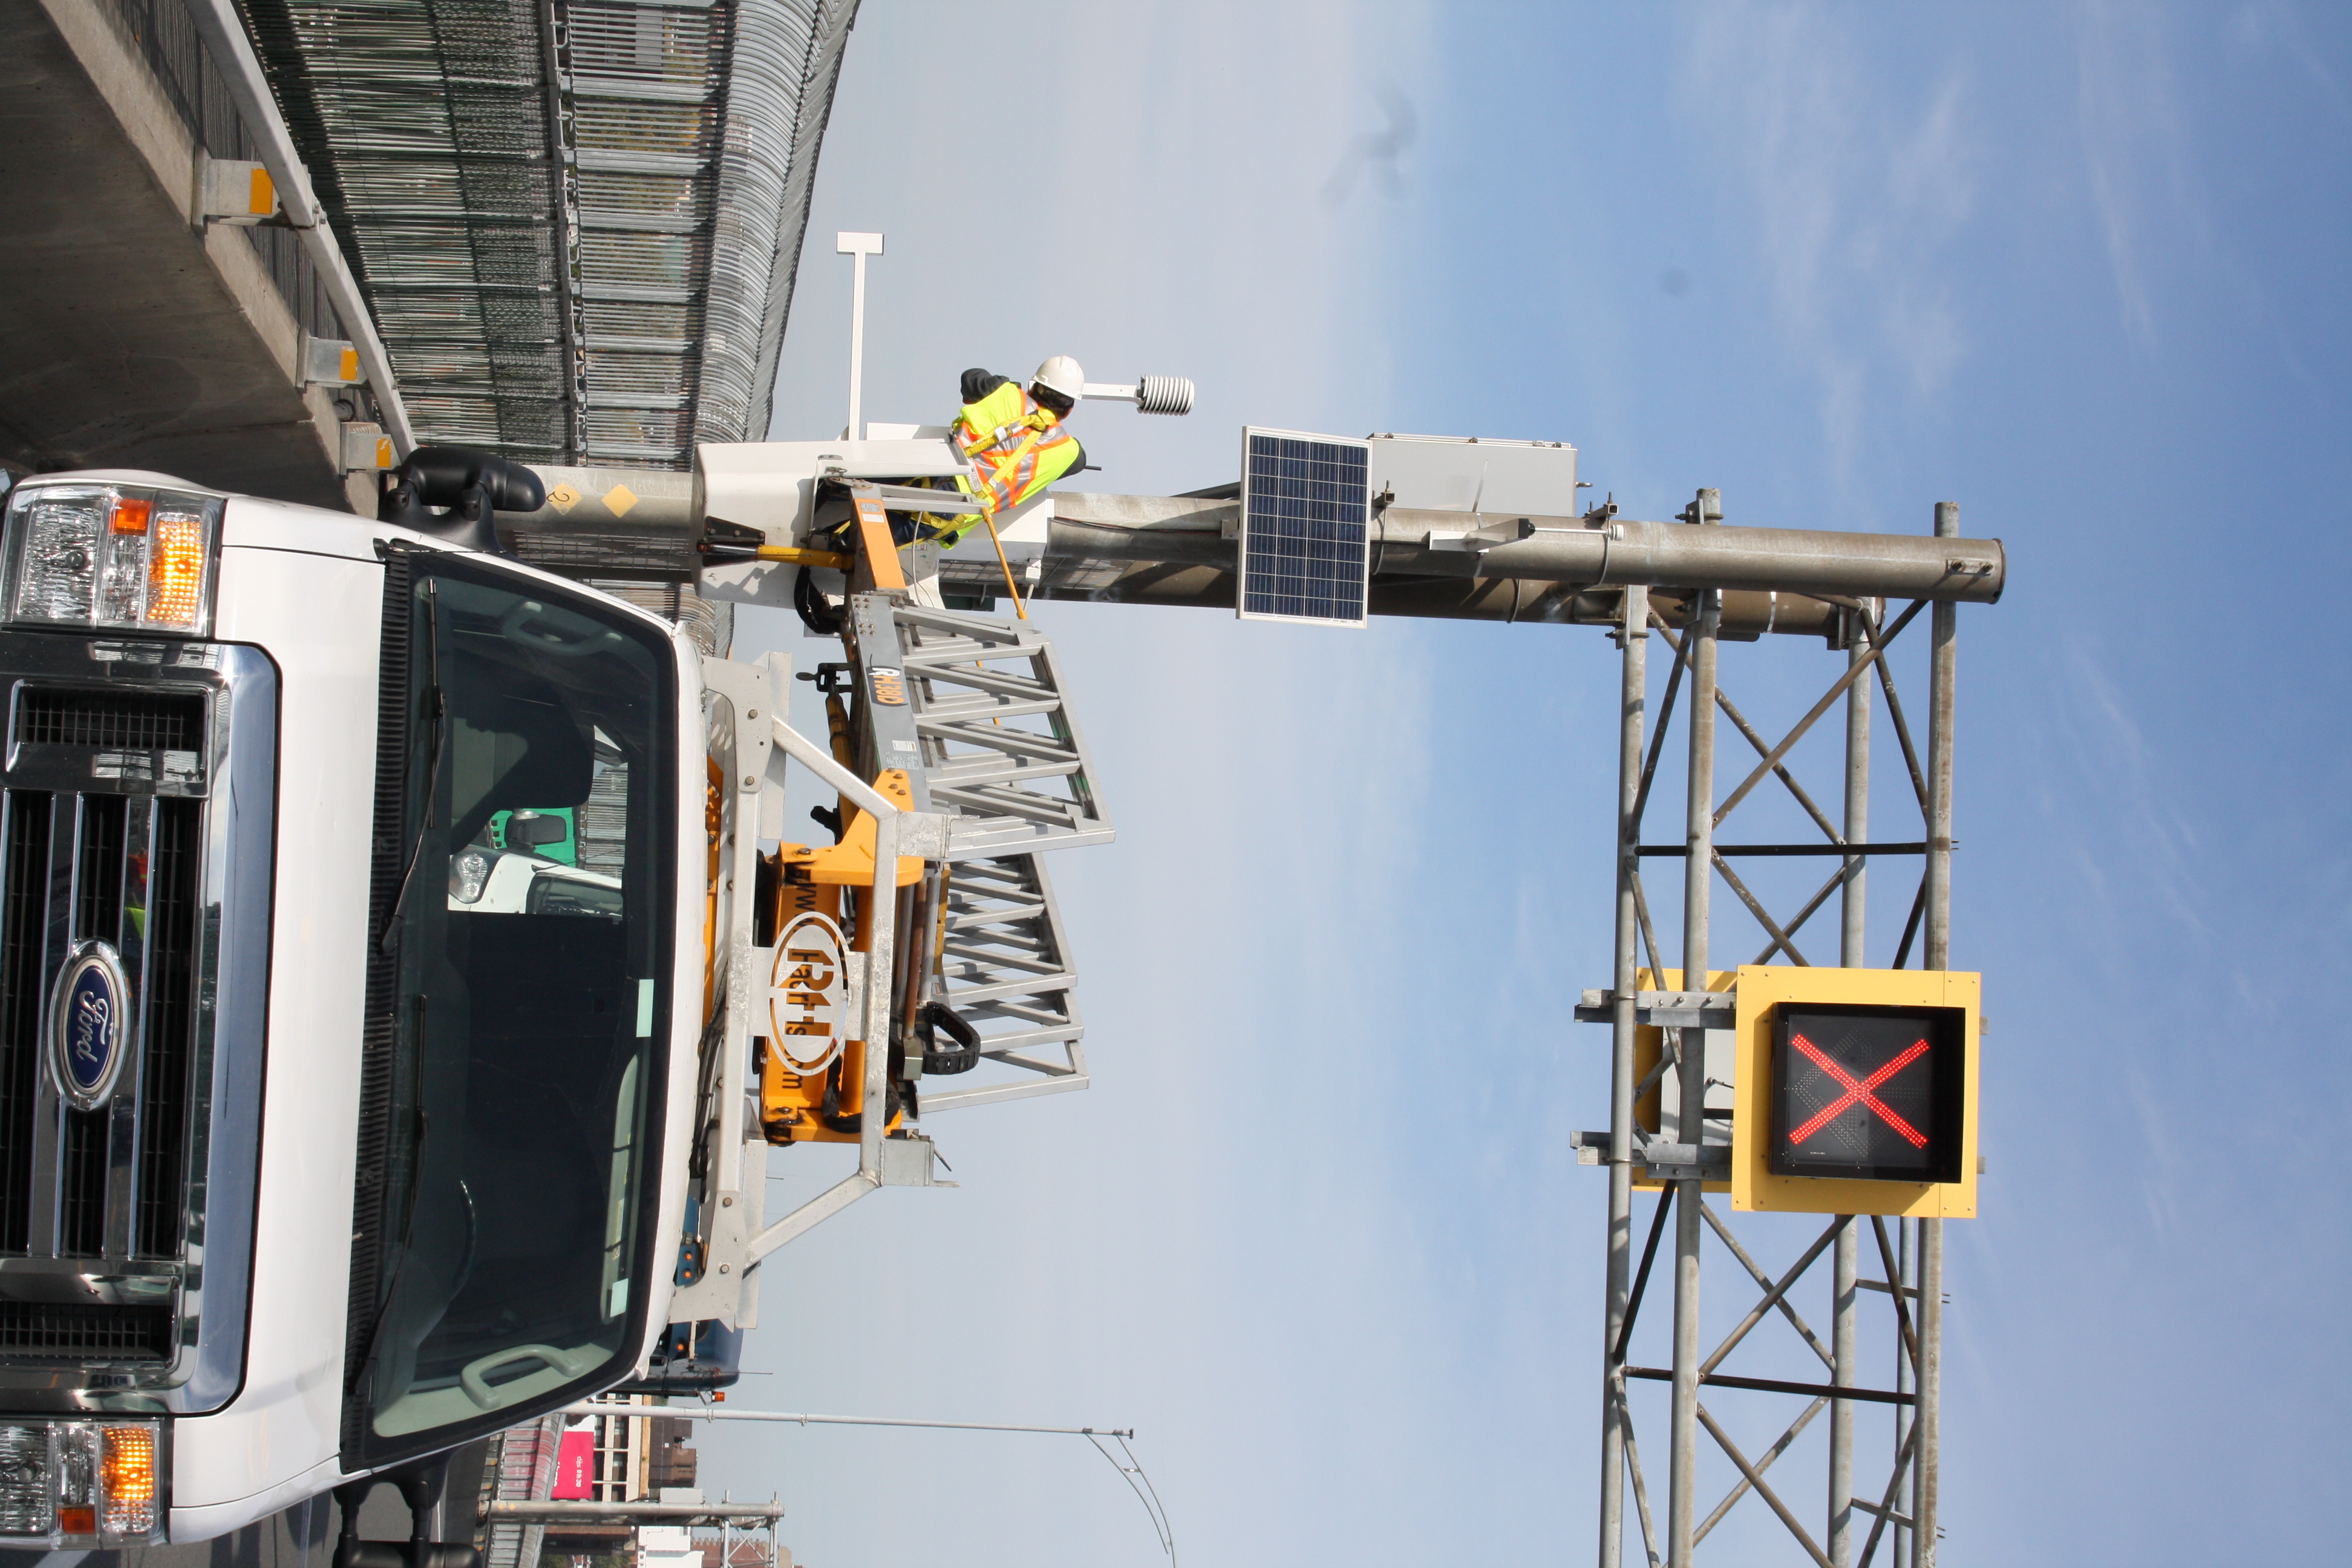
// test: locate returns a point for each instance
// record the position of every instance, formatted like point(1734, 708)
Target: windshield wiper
point(360, 1368)
point(440, 701)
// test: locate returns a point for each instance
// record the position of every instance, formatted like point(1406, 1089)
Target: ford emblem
point(88, 1012)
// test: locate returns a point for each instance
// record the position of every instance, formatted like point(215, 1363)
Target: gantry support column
point(1942, 683)
point(1844, 1315)
point(1633, 636)
point(1906, 1275)
point(1698, 877)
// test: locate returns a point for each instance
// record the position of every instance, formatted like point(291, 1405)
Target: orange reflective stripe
point(996, 490)
point(1009, 477)
point(1032, 463)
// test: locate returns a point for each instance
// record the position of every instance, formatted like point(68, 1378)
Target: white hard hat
point(1061, 373)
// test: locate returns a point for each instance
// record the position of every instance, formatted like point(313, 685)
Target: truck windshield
point(524, 1055)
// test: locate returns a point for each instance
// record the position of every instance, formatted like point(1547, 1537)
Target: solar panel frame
point(1306, 528)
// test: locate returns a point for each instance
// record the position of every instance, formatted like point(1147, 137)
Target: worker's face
point(1051, 401)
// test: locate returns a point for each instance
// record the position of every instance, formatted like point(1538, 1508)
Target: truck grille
point(170, 1026)
point(24, 875)
point(126, 721)
point(55, 1331)
point(121, 869)
point(137, 809)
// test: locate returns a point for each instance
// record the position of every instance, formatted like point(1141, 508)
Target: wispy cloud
point(2135, 150)
point(2271, 25)
point(2141, 815)
point(1853, 198)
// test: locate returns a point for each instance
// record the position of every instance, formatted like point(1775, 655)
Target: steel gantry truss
point(1693, 583)
point(1892, 1516)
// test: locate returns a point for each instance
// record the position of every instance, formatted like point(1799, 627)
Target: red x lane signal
point(1859, 1090)
point(1866, 1093)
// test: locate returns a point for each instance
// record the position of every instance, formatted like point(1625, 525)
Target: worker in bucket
point(1015, 441)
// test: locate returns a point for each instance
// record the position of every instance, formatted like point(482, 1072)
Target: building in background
point(634, 1455)
point(521, 1466)
point(730, 1549)
point(679, 1547)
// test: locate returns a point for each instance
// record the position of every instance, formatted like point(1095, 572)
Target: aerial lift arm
point(923, 941)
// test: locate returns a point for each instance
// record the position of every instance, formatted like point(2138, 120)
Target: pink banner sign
point(575, 1467)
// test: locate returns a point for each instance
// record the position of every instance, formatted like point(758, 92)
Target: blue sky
point(1315, 1230)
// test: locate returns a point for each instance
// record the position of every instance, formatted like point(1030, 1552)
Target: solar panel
point(1305, 503)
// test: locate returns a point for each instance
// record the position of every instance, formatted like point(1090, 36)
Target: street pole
point(1633, 696)
point(1698, 875)
point(859, 246)
point(1906, 1276)
point(1844, 1317)
point(1942, 687)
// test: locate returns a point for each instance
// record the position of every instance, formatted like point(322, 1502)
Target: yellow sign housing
point(1763, 992)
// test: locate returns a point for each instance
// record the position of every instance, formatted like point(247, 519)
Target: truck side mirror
point(529, 829)
point(469, 485)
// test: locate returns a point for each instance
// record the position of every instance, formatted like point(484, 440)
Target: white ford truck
point(378, 1016)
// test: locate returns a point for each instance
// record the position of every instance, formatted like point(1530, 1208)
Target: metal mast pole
point(1857, 797)
point(1844, 1325)
point(1698, 874)
point(859, 246)
point(1633, 696)
point(1942, 681)
point(1906, 1276)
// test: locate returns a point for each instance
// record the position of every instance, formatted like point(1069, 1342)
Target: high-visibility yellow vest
point(1016, 448)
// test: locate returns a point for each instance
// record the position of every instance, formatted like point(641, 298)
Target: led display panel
point(1864, 1093)
point(1305, 510)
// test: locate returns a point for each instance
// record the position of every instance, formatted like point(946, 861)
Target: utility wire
point(1147, 1494)
point(1131, 1472)
point(794, 1417)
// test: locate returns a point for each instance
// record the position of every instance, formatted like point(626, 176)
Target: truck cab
point(316, 1157)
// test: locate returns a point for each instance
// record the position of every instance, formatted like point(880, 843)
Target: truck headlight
point(80, 1483)
point(469, 873)
point(112, 555)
